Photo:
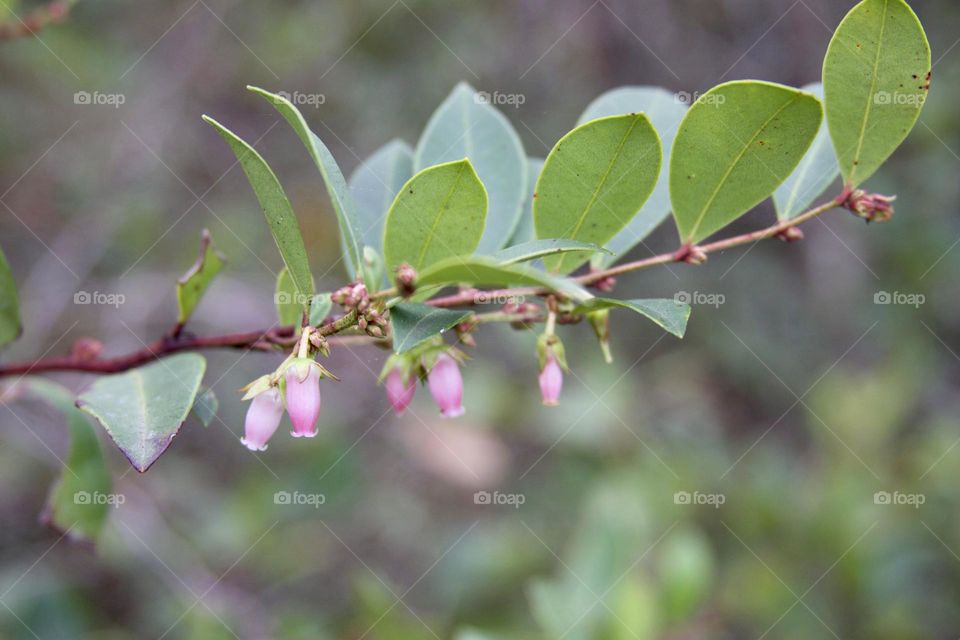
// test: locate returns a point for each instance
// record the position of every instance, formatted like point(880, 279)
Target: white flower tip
point(454, 412)
point(308, 434)
point(253, 446)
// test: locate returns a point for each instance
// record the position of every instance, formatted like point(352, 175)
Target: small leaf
point(414, 323)
point(540, 248)
point(669, 314)
point(524, 231)
point(143, 409)
point(350, 234)
point(485, 271)
point(276, 207)
point(375, 184)
point(813, 175)
point(10, 326)
point(192, 285)
point(594, 181)
point(77, 502)
point(439, 213)
point(736, 145)
point(290, 304)
point(205, 407)
point(320, 308)
point(465, 126)
point(876, 77)
point(666, 112)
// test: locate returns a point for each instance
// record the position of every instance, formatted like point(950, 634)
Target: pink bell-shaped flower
point(446, 386)
point(399, 393)
point(303, 399)
point(551, 381)
point(263, 418)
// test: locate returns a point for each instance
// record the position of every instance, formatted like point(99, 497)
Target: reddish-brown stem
point(286, 336)
point(36, 20)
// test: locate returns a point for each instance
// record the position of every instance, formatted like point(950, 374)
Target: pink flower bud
point(263, 418)
point(399, 394)
point(446, 386)
point(551, 381)
point(303, 399)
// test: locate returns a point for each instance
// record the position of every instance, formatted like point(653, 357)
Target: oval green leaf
point(143, 409)
point(815, 173)
point(485, 271)
point(350, 233)
point(415, 323)
point(666, 112)
point(669, 314)
point(440, 212)
point(876, 76)
point(524, 231)
point(375, 184)
point(76, 503)
point(10, 326)
point(193, 284)
point(736, 145)
point(466, 126)
point(594, 181)
point(276, 208)
point(205, 407)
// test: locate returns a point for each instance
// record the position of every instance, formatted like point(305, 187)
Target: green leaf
point(876, 76)
point(143, 409)
point(666, 112)
point(815, 173)
point(439, 213)
point(465, 126)
point(736, 145)
point(375, 184)
point(668, 313)
point(594, 181)
point(524, 231)
point(350, 233)
point(485, 271)
point(413, 323)
point(289, 303)
point(686, 573)
point(10, 326)
point(320, 308)
point(276, 207)
point(192, 285)
point(78, 502)
point(534, 249)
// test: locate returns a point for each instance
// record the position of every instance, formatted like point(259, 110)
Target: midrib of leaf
point(436, 221)
point(603, 181)
point(735, 163)
point(873, 88)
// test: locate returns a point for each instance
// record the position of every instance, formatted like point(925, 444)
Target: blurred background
point(742, 483)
